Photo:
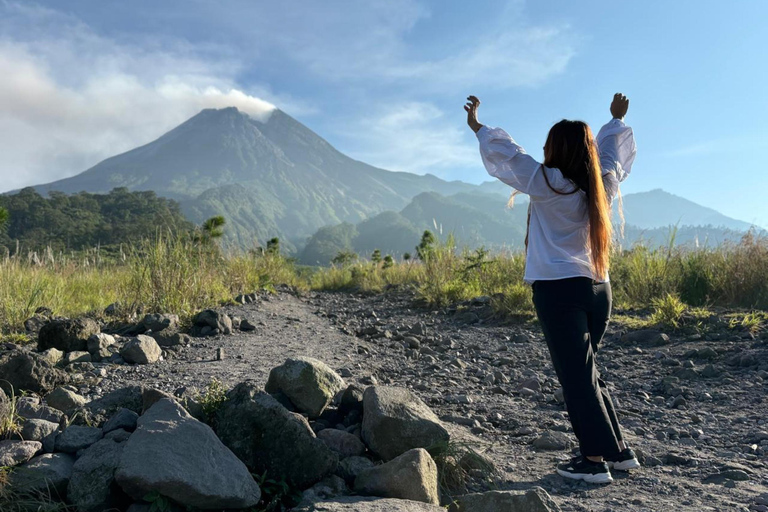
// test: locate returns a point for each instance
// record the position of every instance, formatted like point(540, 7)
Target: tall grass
point(176, 274)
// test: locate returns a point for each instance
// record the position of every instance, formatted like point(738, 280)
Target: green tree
point(273, 246)
point(388, 261)
point(376, 256)
point(344, 258)
point(406, 256)
point(426, 246)
point(211, 230)
point(3, 217)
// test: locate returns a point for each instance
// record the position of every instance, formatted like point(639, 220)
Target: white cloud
point(413, 137)
point(69, 98)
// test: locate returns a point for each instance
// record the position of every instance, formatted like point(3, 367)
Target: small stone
point(350, 467)
point(76, 437)
point(141, 350)
point(64, 399)
point(411, 476)
point(13, 453)
point(124, 419)
point(246, 325)
point(219, 354)
point(343, 443)
point(553, 440)
point(36, 429)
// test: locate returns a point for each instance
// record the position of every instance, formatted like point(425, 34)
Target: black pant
point(574, 314)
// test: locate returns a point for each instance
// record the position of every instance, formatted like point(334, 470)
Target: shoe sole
point(624, 465)
point(600, 478)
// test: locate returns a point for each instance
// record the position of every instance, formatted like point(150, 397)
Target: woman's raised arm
point(616, 142)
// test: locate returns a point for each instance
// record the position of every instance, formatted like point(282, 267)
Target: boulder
point(64, 399)
point(92, 487)
point(29, 408)
point(645, 336)
point(553, 440)
point(76, 437)
point(36, 430)
point(67, 334)
point(410, 476)
point(342, 442)
point(357, 504)
point(125, 419)
point(13, 453)
point(534, 500)
point(28, 371)
point(310, 384)
point(53, 355)
point(158, 322)
point(100, 410)
point(395, 421)
point(351, 400)
point(45, 473)
point(170, 338)
point(213, 320)
point(141, 350)
point(268, 437)
point(33, 324)
point(350, 467)
point(99, 342)
point(179, 457)
point(77, 356)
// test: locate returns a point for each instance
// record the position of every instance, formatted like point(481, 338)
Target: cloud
point(69, 98)
point(413, 137)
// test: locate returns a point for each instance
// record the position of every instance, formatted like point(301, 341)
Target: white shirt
point(558, 233)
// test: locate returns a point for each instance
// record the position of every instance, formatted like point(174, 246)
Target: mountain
point(273, 178)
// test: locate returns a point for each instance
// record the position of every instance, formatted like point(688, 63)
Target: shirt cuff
point(482, 132)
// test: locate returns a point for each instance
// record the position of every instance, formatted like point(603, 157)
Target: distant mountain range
point(279, 178)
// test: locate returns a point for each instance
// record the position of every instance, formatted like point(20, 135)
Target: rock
point(33, 324)
point(179, 457)
point(76, 356)
point(100, 410)
point(13, 453)
point(534, 500)
point(268, 437)
point(29, 408)
point(151, 396)
point(213, 320)
point(329, 487)
point(98, 342)
point(355, 504)
point(553, 440)
point(67, 334)
point(646, 336)
point(124, 419)
point(36, 429)
point(559, 396)
point(706, 353)
point(76, 437)
point(726, 475)
point(351, 400)
point(169, 338)
point(342, 442)
point(350, 467)
point(246, 325)
point(45, 473)
point(53, 355)
point(92, 487)
point(141, 350)
point(29, 371)
point(118, 435)
point(64, 400)
point(158, 322)
point(411, 476)
point(395, 421)
point(309, 383)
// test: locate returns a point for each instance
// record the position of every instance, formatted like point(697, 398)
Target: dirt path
point(471, 373)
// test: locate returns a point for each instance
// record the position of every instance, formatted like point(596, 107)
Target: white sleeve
point(616, 143)
point(506, 160)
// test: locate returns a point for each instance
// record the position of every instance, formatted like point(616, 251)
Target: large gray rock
point(29, 371)
point(214, 320)
point(310, 384)
point(268, 437)
point(36, 430)
point(64, 399)
point(45, 473)
point(534, 500)
point(53, 355)
point(67, 334)
point(92, 487)
point(342, 442)
point(100, 410)
point(157, 322)
point(356, 504)
point(350, 467)
point(125, 419)
point(29, 408)
point(179, 457)
point(395, 421)
point(411, 476)
point(13, 453)
point(76, 437)
point(141, 350)
point(99, 346)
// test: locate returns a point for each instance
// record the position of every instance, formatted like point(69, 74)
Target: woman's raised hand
point(471, 109)
point(619, 106)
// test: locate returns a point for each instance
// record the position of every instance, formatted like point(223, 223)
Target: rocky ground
point(693, 406)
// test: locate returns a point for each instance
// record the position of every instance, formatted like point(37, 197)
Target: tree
point(273, 246)
point(388, 261)
point(3, 217)
point(211, 230)
point(406, 256)
point(426, 246)
point(344, 258)
point(376, 256)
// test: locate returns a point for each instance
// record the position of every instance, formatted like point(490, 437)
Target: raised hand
point(471, 109)
point(619, 106)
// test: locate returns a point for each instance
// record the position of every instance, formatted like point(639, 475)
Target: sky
point(385, 82)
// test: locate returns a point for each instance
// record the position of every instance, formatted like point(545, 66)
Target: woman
point(567, 260)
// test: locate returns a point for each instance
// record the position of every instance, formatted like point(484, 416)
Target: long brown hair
point(572, 149)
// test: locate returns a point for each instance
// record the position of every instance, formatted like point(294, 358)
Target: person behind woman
point(567, 261)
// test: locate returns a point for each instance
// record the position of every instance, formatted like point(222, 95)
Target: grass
point(10, 421)
point(459, 464)
point(174, 274)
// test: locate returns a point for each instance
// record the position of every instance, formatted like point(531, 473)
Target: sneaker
point(624, 461)
point(581, 468)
